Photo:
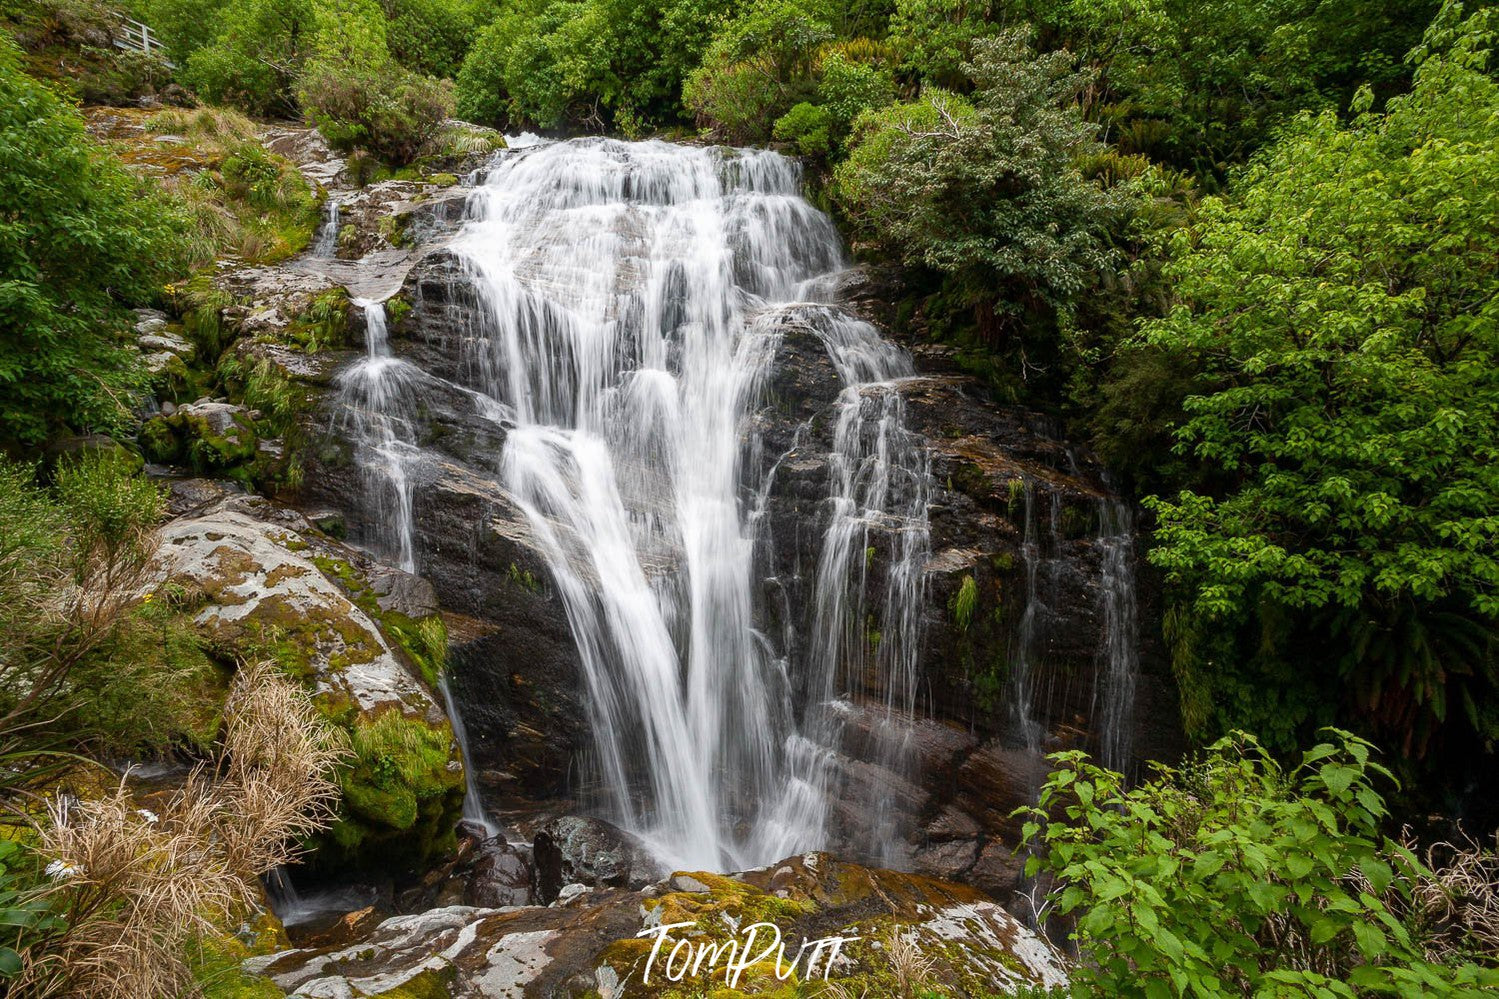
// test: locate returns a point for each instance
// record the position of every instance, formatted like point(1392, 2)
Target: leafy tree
point(184, 26)
point(430, 37)
point(851, 82)
point(255, 59)
point(357, 93)
point(592, 62)
point(760, 65)
point(80, 240)
point(508, 77)
point(1203, 85)
point(988, 191)
point(1342, 308)
point(1235, 876)
point(938, 36)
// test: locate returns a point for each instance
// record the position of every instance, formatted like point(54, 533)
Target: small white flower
point(57, 870)
point(150, 816)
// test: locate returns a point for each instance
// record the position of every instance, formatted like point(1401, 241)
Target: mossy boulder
point(252, 578)
point(965, 944)
point(206, 435)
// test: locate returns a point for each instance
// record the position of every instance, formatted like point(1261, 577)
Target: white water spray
point(618, 285)
point(377, 397)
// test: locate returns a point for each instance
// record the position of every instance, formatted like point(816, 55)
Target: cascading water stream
point(1032, 621)
point(473, 797)
point(325, 244)
point(880, 486)
point(376, 397)
point(1119, 652)
point(377, 402)
point(619, 286)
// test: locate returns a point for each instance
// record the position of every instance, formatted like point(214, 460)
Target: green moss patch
point(402, 794)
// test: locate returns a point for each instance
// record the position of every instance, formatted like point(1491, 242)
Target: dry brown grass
point(1453, 908)
point(142, 883)
point(911, 968)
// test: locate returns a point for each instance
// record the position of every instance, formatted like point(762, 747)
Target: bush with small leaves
point(806, 127)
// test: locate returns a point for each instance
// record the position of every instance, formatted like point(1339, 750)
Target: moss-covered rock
point(207, 436)
point(897, 934)
point(252, 574)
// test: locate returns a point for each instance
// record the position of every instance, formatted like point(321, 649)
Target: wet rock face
point(514, 665)
point(1014, 582)
point(594, 944)
point(500, 875)
point(592, 853)
point(1014, 523)
point(484, 871)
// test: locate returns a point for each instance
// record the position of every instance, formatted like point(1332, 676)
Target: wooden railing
point(138, 37)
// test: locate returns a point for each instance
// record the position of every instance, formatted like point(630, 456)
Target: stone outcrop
point(592, 943)
point(259, 580)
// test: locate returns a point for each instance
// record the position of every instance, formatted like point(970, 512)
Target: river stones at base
point(488, 873)
point(595, 947)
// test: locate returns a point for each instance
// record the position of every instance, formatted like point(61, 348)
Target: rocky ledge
point(808, 918)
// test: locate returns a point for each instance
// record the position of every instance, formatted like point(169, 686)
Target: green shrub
point(806, 127)
point(596, 63)
point(760, 65)
point(361, 98)
point(395, 115)
point(80, 239)
point(938, 37)
point(431, 37)
point(184, 26)
point(1235, 876)
point(256, 56)
point(847, 87)
point(110, 511)
point(508, 77)
point(988, 191)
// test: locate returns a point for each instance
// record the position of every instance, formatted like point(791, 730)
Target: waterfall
point(1119, 652)
point(325, 244)
point(1033, 619)
point(1118, 646)
point(376, 403)
point(625, 291)
point(879, 494)
point(473, 797)
point(377, 397)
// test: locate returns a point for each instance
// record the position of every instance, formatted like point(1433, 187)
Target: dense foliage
point(360, 96)
point(988, 189)
point(359, 68)
point(1341, 309)
point(604, 63)
point(80, 240)
point(1235, 875)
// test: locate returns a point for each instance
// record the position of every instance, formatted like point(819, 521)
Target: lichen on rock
point(591, 945)
point(257, 589)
